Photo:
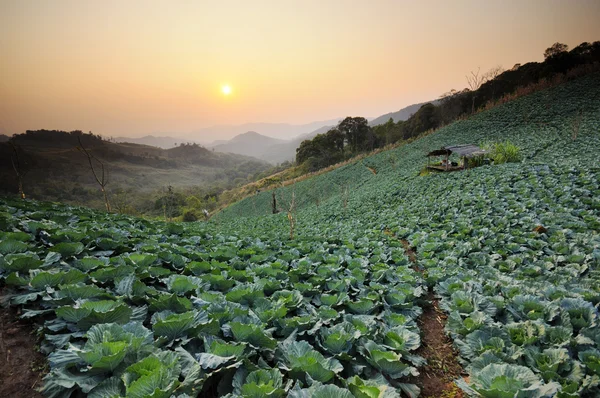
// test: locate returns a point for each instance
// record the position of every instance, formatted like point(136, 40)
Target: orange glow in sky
point(137, 67)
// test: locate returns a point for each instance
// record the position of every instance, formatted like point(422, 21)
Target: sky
point(131, 68)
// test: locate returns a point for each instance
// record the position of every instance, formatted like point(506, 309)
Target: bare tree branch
point(103, 180)
point(493, 73)
point(474, 80)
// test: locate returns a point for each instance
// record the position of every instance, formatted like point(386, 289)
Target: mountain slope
point(510, 247)
point(163, 142)
point(283, 131)
point(58, 171)
point(541, 124)
point(286, 151)
point(278, 152)
point(257, 140)
point(356, 261)
point(250, 143)
point(402, 114)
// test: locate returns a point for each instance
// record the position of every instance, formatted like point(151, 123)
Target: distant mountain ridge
point(250, 143)
point(264, 140)
point(266, 148)
point(403, 114)
point(159, 142)
point(275, 150)
point(282, 131)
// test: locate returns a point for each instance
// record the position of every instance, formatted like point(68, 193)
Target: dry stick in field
point(18, 167)
point(290, 208)
point(103, 179)
point(291, 215)
point(576, 124)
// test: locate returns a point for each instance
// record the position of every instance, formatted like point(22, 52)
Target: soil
point(21, 365)
point(436, 379)
point(372, 170)
point(412, 255)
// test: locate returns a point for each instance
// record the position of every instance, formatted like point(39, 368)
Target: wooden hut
point(464, 152)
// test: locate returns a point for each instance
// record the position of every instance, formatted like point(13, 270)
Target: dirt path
point(436, 379)
point(21, 366)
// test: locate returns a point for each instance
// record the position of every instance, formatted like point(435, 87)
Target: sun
point(226, 89)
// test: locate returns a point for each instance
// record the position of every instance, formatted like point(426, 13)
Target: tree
point(168, 202)
point(102, 178)
point(474, 80)
point(555, 49)
point(387, 133)
point(357, 132)
point(491, 75)
point(426, 118)
point(451, 105)
point(121, 200)
point(334, 139)
point(323, 150)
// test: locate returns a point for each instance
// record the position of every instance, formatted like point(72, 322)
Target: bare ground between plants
point(436, 378)
point(21, 365)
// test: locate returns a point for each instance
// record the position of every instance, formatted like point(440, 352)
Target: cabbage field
point(134, 308)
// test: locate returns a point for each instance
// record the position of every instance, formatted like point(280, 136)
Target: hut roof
point(466, 150)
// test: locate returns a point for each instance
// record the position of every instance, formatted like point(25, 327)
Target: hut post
point(446, 161)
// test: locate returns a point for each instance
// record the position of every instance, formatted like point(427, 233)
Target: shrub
point(189, 216)
point(504, 152)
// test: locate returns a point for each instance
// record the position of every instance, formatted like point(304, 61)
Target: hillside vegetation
point(555, 126)
point(237, 308)
point(354, 135)
point(137, 174)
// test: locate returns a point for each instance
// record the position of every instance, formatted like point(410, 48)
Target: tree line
point(353, 135)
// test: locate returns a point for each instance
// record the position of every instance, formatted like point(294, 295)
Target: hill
point(403, 114)
point(58, 171)
point(540, 123)
point(499, 244)
point(258, 143)
point(279, 151)
point(285, 151)
point(250, 143)
point(163, 142)
point(370, 264)
point(284, 131)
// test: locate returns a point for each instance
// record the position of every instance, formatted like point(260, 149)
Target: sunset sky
point(131, 68)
